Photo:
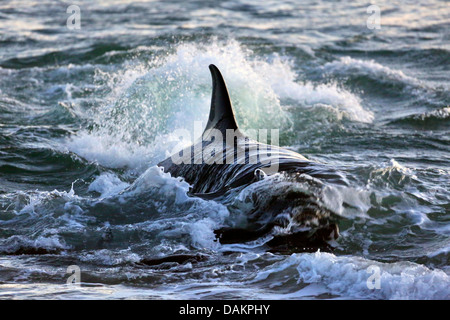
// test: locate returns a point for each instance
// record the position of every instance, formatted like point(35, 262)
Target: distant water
point(85, 116)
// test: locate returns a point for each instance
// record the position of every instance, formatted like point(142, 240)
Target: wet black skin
point(214, 181)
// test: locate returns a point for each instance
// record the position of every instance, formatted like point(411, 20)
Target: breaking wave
point(348, 277)
point(134, 128)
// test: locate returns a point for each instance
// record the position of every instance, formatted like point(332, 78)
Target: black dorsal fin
point(221, 114)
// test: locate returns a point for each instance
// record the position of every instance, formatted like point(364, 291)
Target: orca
point(225, 159)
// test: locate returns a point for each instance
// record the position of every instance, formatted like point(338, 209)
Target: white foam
point(347, 277)
point(282, 80)
point(155, 179)
point(27, 202)
point(109, 151)
point(200, 217)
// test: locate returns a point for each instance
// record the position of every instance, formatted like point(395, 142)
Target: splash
point(134, 128)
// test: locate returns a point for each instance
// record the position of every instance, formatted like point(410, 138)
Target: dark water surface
point(85, 116)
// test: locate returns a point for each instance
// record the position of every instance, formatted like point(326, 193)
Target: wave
point(348, 66)
point(158, 207)
point(67, 55)
point(348, 277)
point(18, 245)
point(435, 119)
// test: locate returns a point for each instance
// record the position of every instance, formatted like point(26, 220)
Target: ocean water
point(87, 114)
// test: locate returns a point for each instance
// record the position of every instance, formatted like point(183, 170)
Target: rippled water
point(85, 116)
